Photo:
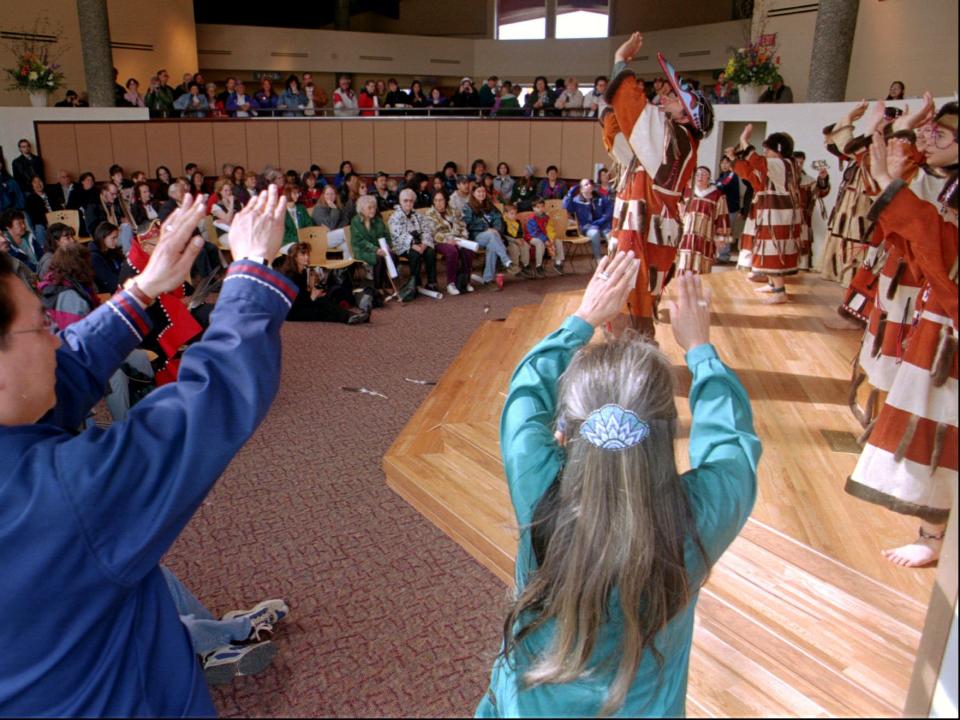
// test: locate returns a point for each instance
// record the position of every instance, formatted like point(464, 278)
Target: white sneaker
point(228, 661)
point(452, 289)
point(470, 288)
point(269, 611)
point(477, 279)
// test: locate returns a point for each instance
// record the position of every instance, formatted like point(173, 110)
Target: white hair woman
point(615, 542)
point(366, 230)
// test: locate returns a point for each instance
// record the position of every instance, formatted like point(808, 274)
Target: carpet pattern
point(388, 615)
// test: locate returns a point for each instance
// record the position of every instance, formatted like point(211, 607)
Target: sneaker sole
point(255, 661)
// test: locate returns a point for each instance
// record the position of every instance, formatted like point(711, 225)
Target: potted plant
point(36, 71)
point(752, 69)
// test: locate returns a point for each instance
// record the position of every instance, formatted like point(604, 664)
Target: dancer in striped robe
point(810, 190)
point(655, 148)
point(909, 464)
point(706, 224)
point(776, 241)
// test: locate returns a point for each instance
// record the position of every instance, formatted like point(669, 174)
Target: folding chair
point(70, 218)
point(559, 220)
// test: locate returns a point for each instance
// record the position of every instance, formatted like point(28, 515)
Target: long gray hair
point(612, 520)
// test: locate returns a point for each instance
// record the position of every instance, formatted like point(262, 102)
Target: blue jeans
point(206, 632)
point(126, 237)
point(491, 241)
point(596, 236)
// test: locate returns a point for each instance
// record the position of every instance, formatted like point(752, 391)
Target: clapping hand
point(607, 291)
point(889, 162)
point(690, 312)
point(921, 116)
point(176, 249)
point(745, 136)
point(257, 230)
point(629, 49)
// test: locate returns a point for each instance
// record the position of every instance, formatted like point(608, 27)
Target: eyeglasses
point(46, 325)
point(939, 136)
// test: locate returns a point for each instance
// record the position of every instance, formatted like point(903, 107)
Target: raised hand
point(855, 114)
point(745, 136)
point(629, 49)
point(874, 118)
point(690, 312)
point(608, 288)
point(879, 168)
point(921, 116)
point(257, 230)
point(176, 249)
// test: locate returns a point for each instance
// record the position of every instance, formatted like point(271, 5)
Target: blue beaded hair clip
point(614, 428)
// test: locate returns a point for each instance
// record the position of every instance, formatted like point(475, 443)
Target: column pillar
point(832, 47)
point(341, 18)
point(97, 56)
point(758, 19)
point(551, 29)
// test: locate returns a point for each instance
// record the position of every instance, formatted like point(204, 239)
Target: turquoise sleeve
point(724, 451)
point(531, 456)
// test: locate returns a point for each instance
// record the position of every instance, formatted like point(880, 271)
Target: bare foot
point(764, 289)
point(917, 554)
point(776, 299)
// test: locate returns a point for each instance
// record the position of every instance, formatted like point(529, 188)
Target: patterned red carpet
point(388, 616)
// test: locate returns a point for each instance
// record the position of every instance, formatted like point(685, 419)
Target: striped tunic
point(909, 464)
point(706, 222)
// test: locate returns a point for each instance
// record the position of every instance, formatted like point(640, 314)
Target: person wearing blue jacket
point(593, 212)
point(615, 542)
point(90, 625)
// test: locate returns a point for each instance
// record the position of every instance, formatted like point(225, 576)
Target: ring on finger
point(603, 276)
point(702, 303)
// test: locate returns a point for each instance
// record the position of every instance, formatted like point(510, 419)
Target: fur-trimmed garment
point(776, 237)
point(656, 157)
point(706, 222)
point(909, 464)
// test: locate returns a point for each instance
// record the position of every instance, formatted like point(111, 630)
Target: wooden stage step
point(801, 616)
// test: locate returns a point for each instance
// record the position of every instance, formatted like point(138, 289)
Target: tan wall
point(168, 26)
point(388, 145)
point(795, 45)
point(647, 15)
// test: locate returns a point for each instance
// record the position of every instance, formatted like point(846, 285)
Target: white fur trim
point(905, 480)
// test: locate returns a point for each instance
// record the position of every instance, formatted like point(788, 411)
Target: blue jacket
point(479, 222)
point(598, 213)
point(90, 626)
point(232, 106)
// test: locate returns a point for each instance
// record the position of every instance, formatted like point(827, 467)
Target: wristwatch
point(131, 287)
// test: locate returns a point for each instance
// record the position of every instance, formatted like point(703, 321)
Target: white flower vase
point(39, 99)
point(750, 94)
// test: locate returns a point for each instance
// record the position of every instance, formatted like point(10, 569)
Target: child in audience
point(524, 190)
point(311, 190)
point(539, 228)
point(517, 246)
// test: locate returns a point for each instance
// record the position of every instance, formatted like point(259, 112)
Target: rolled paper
point(468, 244)
point(391, 268)
point(430, 293)
point(336, 239)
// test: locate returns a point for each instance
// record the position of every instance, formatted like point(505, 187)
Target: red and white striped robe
point(657, 158)
point(909, 464)
point(809, 191)
point(776, 239)
point(706, 222)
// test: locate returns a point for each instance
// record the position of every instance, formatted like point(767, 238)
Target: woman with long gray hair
point(615, 542)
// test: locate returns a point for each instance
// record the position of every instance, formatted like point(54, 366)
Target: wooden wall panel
point(163, 147)
point(293, 138)
point(57, 145)
point(389, 153)
point(452, 144)
point(326, 145)
point(196, 145)
point(483, 143)
point(420, 141)
point(514, 145)
point(576, 154)
point(546, 145)
point(129, 146)
point(229, 144)
point(600, 154)
point(94, 148)
point(358, 145)
point(262, 145)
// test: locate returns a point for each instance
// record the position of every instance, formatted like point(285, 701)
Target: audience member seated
point(366, 230)
point(352, 190)
point(485, 225)
point(570, 101)
point(266, 98)
point(540, 100)
point(487, 181)
point(395, 98)
point(461, 195)
point(329, 211)
point(604, 184)
point(132, 94)
point(436, 99)
point(438, 184)
point(488, 92)
point(37, 205)
point(539, 227)
point(11, 196)
point(58, 236)
point(518, 247)
point(525, 190)
point(61, 191)
point(224, 210)
point(477, 170)
point(26, 166)
point(313, 304)
point(71, 99)
point(216, 107)
point(311, 190)
point(411, 239)
point(250, 188)
point(17, 267)
point(386, 200)
point(22, 244)
point(344, 99)
point(292, 100)
point(346, 168)
point(241, 105)
point(593, 212)
point(421, 186)
point(367, 100)
point(107, 258)
point(447, 229)
point(416, 98)
point(192, 103)
point(551, 187)
point(297, 215)
point(777, 93)
point(449, 177)
point(145, 208)
point(164, 178)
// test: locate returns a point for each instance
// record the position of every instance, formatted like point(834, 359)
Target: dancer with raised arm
point(615, 543)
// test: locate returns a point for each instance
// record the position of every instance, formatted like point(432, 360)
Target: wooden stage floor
point(802, 616)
